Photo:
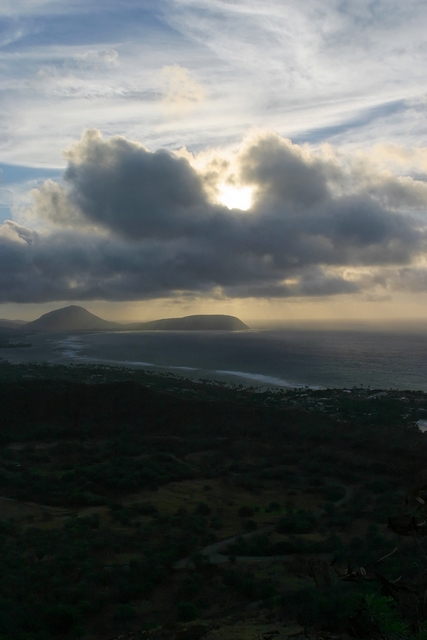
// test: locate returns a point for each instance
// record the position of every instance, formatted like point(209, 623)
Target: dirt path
point(213, 552)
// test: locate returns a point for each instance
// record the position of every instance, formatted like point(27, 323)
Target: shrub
point(383, 611)
point(60, 619)
point(248, 482)
point(144, 508)
point(301, 522)
point(339, 521)
point(380, 485)
point(334, 492)
point(125, 613)
point(187, 611)
point(312, 607)
point(202, 509)
point(250, 525)
point(216, 523)
point(190, 587)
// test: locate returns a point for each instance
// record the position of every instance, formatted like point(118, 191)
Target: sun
point(235, 197)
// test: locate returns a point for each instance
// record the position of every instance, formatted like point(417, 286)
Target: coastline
point(232, 378)
point(253, 359)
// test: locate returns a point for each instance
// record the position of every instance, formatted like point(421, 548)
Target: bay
point(281, 357)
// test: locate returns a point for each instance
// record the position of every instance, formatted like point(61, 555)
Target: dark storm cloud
point(122, 186)
point(70, 266)
point(131, 224)
point(280, 172)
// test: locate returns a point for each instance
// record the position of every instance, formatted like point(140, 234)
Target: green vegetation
point(130, 500)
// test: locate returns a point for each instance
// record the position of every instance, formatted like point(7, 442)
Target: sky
point(266, 159)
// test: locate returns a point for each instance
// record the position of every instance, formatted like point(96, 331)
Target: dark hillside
point(154, 507)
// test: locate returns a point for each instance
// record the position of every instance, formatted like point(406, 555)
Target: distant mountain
point(191, 323)
point(71, 318)
point(11, 324)
point(76, 318)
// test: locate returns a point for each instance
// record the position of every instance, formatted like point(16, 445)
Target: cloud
point(71, 76)
point(126, 223)
point(96, 60)
point(181, 92)
point(12, 8)
point(121, 186)
point(265, 64)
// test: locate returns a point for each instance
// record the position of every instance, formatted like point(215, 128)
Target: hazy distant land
point(75, 318)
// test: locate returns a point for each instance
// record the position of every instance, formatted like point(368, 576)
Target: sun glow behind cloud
point(235, 197)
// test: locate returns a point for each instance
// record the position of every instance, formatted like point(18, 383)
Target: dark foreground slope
point(111, 478)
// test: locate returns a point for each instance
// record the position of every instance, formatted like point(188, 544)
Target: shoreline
point(246, 379)
point(232, 378)
point(256, 360)
point(68, 348)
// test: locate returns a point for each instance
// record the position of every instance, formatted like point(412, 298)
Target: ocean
point(285, 357)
